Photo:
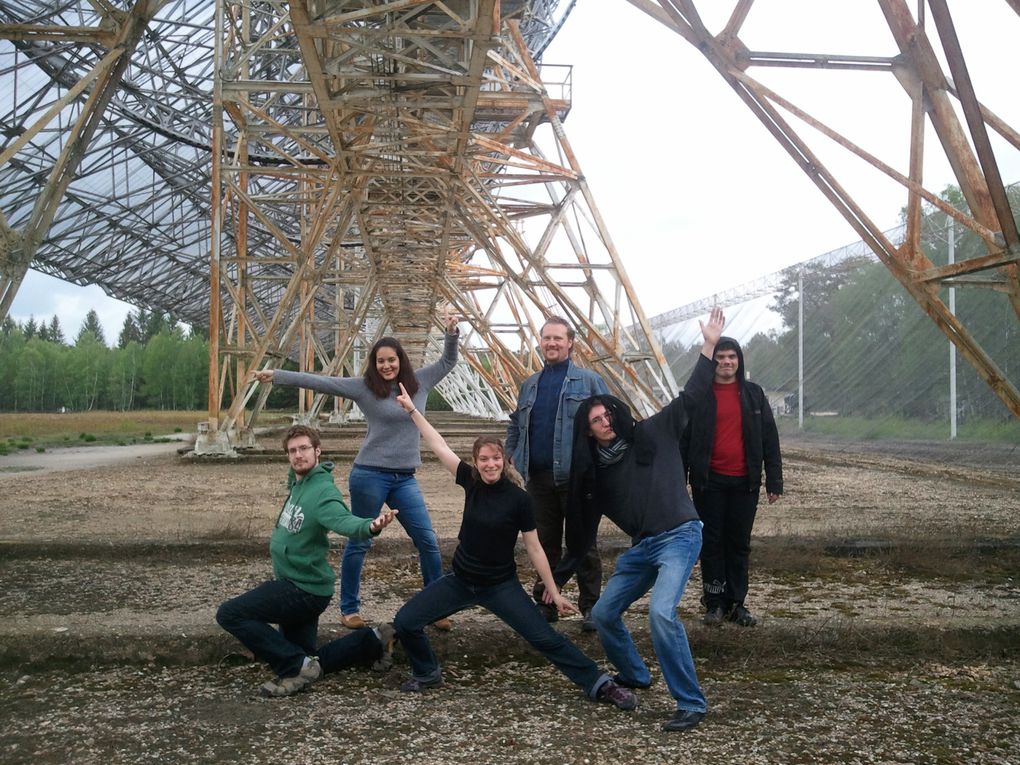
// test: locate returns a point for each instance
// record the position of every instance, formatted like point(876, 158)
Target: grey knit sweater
point(392, 441)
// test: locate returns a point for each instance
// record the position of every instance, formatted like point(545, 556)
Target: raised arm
point(430, 375)
point(712, 331)
point(433, 440)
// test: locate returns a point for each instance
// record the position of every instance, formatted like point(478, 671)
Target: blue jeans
point(249, 618)
point(369, 489)
point(509, 602)
point(662, 564)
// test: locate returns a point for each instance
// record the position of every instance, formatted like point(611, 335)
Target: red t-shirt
point(728, 447)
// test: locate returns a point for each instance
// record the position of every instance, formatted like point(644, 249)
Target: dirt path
point(81, 458)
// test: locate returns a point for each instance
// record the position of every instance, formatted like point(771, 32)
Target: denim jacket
point(578, 385)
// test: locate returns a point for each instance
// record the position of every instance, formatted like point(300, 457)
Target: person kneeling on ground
point(484, 573)
point(632, 473)
point(303, 579)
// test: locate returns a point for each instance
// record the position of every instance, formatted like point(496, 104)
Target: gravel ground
point(516, 713)
point(886, 580)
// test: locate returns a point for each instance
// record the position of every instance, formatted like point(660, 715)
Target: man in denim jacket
point(538, 442)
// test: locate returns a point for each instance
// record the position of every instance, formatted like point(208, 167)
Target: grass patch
point(52, 429)
point(903, 429)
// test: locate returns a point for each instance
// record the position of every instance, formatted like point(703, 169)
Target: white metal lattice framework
point(400, 169)
point(940, 98)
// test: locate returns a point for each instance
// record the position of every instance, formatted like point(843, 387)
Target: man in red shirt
point(732, 434)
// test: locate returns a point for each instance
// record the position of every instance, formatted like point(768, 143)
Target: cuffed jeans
point(509, 602)
point(369, 489)
point(550, 505)
point(727, 509)
point(249, 618)
point(662, 564)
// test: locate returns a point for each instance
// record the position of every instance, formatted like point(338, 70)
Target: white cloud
point(44, 296)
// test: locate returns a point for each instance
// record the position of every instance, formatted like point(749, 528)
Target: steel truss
point(335, 170)
point(937, 99)
point(401, 169)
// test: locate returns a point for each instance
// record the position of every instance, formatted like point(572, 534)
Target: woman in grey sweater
point(384, 468)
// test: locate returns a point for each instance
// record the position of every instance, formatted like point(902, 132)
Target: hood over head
point(729, 344)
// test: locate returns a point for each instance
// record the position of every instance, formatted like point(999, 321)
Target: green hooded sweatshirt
point(299, 543)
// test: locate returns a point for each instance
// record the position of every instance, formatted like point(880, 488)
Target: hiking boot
point(741, 617)
point(444, 624)
point(620, 680)
point(353, 621)
point(415, 685)
point(713, 617)
point(288, 686)
point(385, 634)
point(587, 623)
point(617, 695)
point(683, 720)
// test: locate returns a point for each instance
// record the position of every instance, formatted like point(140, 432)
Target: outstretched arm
point(552, 594)
point(433, 440)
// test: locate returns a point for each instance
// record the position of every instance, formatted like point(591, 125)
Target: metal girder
point(935, 97)
point(412, 142)
point(102, 83)
point(129, 208)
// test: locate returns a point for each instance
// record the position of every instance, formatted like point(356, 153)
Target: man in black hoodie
point(632, 473)
point(731, 433)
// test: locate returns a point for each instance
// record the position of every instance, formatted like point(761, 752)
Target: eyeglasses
point(300, 449)
point(601, 419)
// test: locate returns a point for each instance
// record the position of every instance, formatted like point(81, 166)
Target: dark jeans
point(509, 602)
point(727, 509)
point(356, 648)
point(550, 506)
point(250, 617)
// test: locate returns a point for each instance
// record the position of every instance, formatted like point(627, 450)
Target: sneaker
point(415, 685)
point(618, 696)
point(713, 617)
point(385, 634)
point(741, 616)
point(288, 686)
point(620, 680)
point(353, 621)
point(683, 720)
point(443, 624)
point(587, 623)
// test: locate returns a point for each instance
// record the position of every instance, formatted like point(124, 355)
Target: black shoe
point(549, 613)
point(619, 680)
point(713, 617)
point(741, 616)
point(587, 623)
point(618, 696)
point(683, 720)
point(418, 686)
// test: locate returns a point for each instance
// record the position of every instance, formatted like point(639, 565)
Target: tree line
point(869, 348)
point(156, 364)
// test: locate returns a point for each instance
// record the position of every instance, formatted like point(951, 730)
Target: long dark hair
point(373, 379)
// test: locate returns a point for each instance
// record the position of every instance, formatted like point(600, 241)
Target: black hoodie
point(645, 493)
point(761, 437)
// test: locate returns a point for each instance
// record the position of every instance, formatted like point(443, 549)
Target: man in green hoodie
point(303, 580)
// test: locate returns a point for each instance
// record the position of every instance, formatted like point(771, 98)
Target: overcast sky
point(697, 195)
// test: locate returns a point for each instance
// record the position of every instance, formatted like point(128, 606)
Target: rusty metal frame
point(420, 162)
point(935, 96)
